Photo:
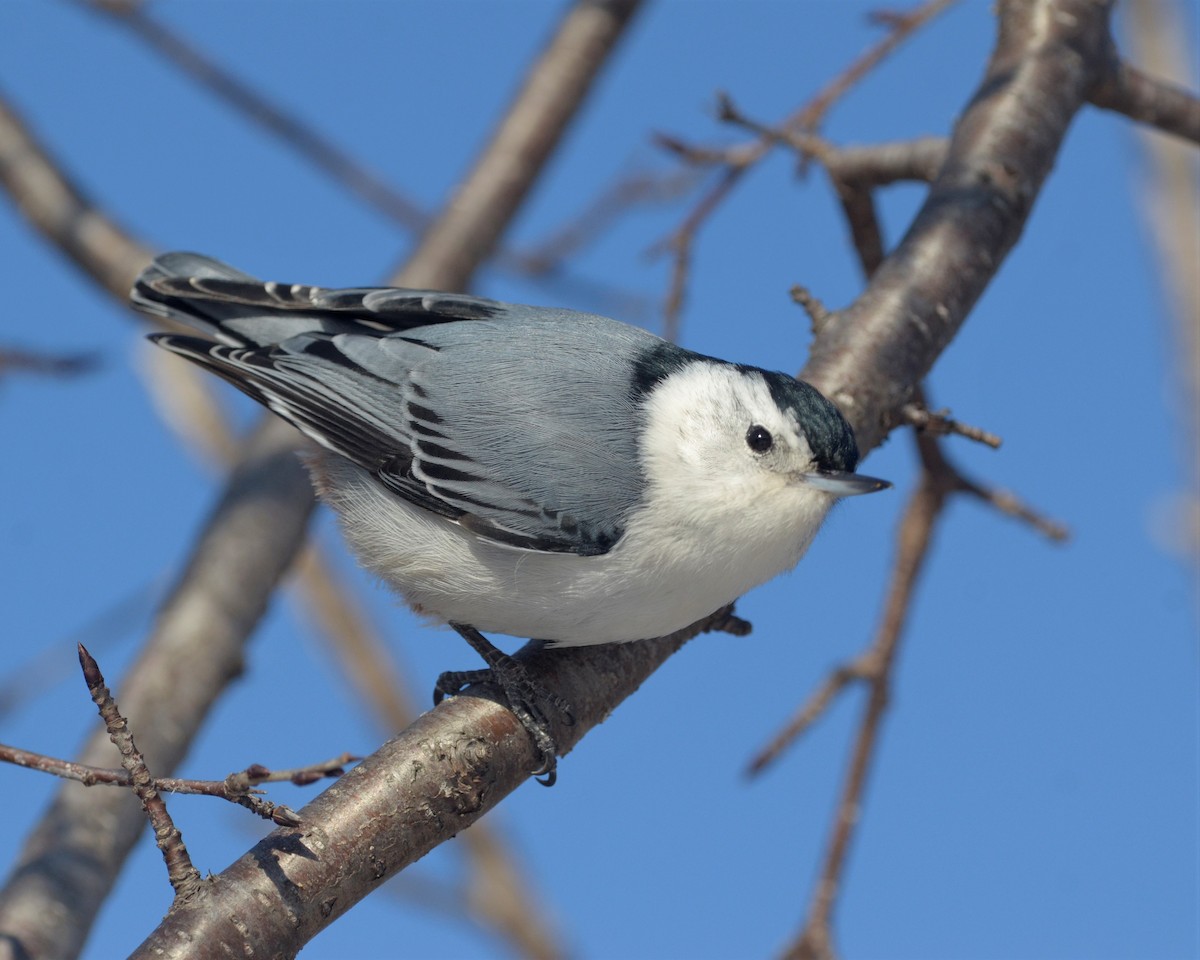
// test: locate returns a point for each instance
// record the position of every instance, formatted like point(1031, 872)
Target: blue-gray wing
point(519, 423)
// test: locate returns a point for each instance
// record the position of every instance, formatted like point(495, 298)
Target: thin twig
point(1013, 506)
point(817, 312)
point(13, 360)
point(638, 189)
point(900, 26)
point(859, 670)
point(238, 787)
point(184, 877)
point(815, 941)
point(808, 145)
point(853, 172)
point(738, 160)
point(939, 423)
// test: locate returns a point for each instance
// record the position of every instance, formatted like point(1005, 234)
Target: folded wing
point(519, 423)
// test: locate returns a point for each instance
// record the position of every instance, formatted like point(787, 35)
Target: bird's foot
point(526, 698)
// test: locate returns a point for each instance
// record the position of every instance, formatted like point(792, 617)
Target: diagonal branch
point(483, 205)
point(61, 211)
point(430, 782)
point(874, 668)
point(872, 356)
point(499, 896)
point(71, 859)
point(1125, 89)
point(461, 758)
point(739, 160)
point(70, 862)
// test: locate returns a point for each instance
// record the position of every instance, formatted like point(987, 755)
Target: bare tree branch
point(1169, 184)
point(739, 160)
point(1125, 89)
point(940, 423)
point(71, 859)
point(873, 355)
point(470, 227)
point(184, 877)
point(430, 782)
point(460, 758)
point(69, 863)
point(63, 213)
point(53, 365)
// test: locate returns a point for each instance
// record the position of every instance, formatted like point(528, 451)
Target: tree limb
point(63, 213)
point(871, 356)
point(459, 759)
point(71, 860)
point(427, 784)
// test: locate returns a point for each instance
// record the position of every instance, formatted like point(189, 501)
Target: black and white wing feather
point(519, 423)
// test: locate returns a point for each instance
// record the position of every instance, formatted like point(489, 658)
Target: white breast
point(685, 553)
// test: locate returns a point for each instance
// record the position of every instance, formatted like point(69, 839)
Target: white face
point(716, 438)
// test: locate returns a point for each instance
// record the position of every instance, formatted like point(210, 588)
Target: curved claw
point(453, 682)
point(526, 698)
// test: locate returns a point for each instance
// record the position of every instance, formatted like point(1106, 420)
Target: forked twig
point(873, 668)
point(184, 877)
point(738, 160)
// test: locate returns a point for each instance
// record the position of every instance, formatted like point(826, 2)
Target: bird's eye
point(759, 439)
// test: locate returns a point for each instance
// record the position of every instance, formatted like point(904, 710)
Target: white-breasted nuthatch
point(524, 470)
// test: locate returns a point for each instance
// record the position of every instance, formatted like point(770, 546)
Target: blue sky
point(1036, 791)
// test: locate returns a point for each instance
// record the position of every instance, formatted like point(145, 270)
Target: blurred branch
point(427, 784)
point(738, 160)
point(1168, 183)
point(71, 859)
point(638, 188)
point(1150, 101)
point(470, 227)
point(462, 758)
point(322, 152)
point(900, 26)
point(13, 360)
point(258, 109)
point(62, 213)
point(46, 668)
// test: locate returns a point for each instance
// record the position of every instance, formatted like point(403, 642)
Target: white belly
point(661, 576)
